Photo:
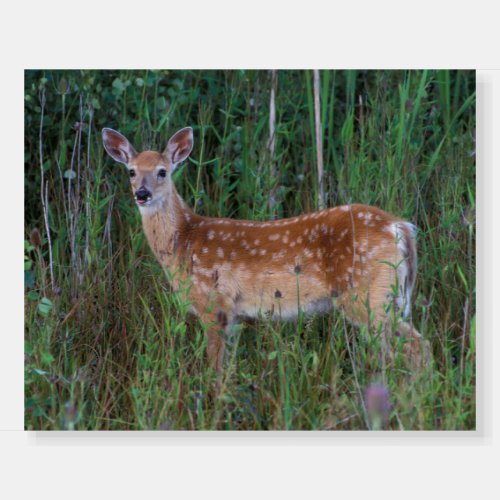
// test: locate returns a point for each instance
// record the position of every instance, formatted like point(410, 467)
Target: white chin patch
point(149, 206)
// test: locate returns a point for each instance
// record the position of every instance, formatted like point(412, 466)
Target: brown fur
point(148, 161)
point(350, 256)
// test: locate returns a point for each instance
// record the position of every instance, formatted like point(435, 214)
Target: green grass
point(109, 346)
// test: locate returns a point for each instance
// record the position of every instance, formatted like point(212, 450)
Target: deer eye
point(162, 173)
point(131, 173)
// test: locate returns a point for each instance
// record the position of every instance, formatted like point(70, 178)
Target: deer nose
point(142, 195)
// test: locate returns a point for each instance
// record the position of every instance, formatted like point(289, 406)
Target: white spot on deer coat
point(279, 255)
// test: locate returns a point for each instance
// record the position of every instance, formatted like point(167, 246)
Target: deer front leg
point(219, 324)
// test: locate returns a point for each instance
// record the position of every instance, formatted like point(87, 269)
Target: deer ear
point(179, 146)
point(117, 146)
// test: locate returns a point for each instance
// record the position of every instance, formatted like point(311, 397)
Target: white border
point(259, 35)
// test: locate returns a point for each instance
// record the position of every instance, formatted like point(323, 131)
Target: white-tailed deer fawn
point(356, 258)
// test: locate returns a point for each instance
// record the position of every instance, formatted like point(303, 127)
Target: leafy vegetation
point(109, 346)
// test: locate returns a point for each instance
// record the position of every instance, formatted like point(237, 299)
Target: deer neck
point(165, 225)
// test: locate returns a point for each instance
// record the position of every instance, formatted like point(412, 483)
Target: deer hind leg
point(398, 334)
point(416, 350)
point(379, 305)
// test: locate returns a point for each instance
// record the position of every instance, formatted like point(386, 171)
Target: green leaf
point(118, 85)
point(347, 129)
point(45, 306)
point(272, 355)
point(39, 371)
point(315, 360)
point(47, 358)
point(62, 154)
point(463, 278)
point(161, 104)
point(29, 279)
point(38, 412)
point(473, 334)
point(27, 348)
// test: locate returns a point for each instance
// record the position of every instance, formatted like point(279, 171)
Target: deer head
point(150, 172)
